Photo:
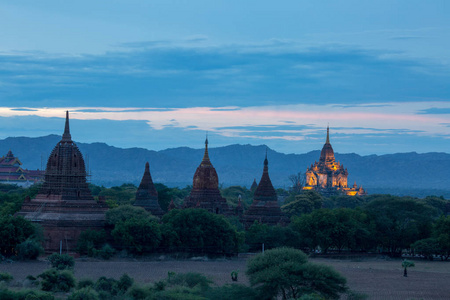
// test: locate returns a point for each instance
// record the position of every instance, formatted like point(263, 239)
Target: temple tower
point(205, 188)
point(328, 176)
point(264, 208)
point(146, 195)
point(64, 205)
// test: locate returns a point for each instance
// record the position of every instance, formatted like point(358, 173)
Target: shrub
point(139, 293)
point(191, 280)
point(106, 252)
point(57, 281)
point(89, 241)
point(86, 293)
point(124, 283)
point(108, 285)
point(6, 277)
point(232, 291)
point(29, 249)
point(61, 261)
point(25, 294)
point(83, 283)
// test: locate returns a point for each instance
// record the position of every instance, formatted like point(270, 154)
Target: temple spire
point(328, 135)
point(266, 162)
point(206, 155)
point(66, 135)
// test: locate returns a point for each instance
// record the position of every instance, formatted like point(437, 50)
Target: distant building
point(264, 208)
point(11, 172)
point(205, 189)
point(146, 194)
point(64, 205)
point(328, 176)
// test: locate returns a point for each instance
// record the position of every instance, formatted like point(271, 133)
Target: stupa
point(64, 205)
point(205, 188)
point(328, 176)
point(146, 195)
point(264, 208)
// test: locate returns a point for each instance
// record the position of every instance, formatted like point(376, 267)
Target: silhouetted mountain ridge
point(399, 173)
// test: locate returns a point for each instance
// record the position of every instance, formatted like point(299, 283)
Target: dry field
point(378, 278)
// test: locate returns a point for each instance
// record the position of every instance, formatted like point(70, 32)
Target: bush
point(191, 280)
point(125, 282)
point(61, 261)
point(106, 252)
point(25, 294)
point(29, 249)
point(83, 283)
point(89, 241)
point(57, 281)
point(86, 293)
point(108, 285)
point(6, 277)
point(232, 291)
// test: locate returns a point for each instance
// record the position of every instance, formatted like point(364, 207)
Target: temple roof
point(265, 190)
point(146, 188)
point(327, 153)
point(205, 176)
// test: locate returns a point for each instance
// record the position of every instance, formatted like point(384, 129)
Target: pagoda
point(11, 172)
point(264, 208)
point(328, 176)
point(64, 205)
point(146, 195)
point(205, 189)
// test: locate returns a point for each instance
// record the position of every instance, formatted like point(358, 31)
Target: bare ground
point(378, 278)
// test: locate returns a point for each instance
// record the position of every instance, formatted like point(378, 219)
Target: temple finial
point(206, 155)
point(66, 135)
point(328, 134)
point(266, 162)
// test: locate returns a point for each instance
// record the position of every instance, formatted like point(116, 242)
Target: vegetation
point(286, 273)
point(61, 261)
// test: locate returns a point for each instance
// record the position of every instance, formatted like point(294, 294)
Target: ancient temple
point(328, 176)
point(253, 186)
point(265, 208)
point(205, 189)
point(64, 205)
point(11, 172)
point(146, 195)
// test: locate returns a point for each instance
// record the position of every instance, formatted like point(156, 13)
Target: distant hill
point(400, 173)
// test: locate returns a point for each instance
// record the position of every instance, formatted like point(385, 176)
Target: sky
point(162, 74)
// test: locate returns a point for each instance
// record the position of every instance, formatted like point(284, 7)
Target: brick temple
point(147, 195)
point(64, 205)
point(264, 208)
point(328, 176)
point(205, 189)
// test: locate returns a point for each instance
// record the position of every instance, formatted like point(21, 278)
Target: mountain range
point(399, 174)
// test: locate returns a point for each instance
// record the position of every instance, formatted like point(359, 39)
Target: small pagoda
point(205, 189)
point(11, 172)
point(64, 205)
point(147, 195)
point(264, 208)
point(328, 176)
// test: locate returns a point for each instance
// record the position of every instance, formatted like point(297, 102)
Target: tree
point(13, 231)
point(90, 240)
point(407, 264)
point(138, 235)
point(426, 247)
point(126, 212)
point(286, 273)
point(199, 231)
point(298, 182)
point(271, 237)
point(303, 203)
point(399, 222)
point(441, 232)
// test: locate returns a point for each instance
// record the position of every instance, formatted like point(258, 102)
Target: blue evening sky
point(160, 74)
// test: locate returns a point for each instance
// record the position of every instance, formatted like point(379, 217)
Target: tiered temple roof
point(205, 188)
point(11, 172)
point(146, 195)
point(265, 208)
point(328, 176)
point(64, 205)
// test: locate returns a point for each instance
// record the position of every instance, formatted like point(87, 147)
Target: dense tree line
point(375, 223)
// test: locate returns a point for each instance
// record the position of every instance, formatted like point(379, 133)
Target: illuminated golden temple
point(328, 176)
